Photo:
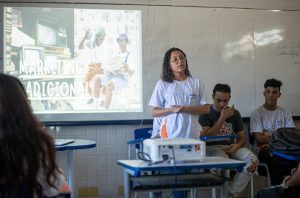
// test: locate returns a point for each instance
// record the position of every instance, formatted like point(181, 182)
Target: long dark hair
point(25, 147)
point(166, 74)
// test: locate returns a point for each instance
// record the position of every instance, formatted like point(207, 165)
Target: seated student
point(224, 120)
point(264, 121)
point(27, 152)
point(290, 187)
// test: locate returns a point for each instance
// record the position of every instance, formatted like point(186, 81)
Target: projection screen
point(77, 64)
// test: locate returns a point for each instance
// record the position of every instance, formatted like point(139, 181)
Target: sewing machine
point(177, 149)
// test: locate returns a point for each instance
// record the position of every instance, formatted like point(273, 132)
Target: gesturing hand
point(176, 108)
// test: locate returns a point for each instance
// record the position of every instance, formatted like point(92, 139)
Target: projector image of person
point(174, 150)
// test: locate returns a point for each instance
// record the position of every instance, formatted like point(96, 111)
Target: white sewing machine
point(180, 149)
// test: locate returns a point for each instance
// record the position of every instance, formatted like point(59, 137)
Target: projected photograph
point(75, 60)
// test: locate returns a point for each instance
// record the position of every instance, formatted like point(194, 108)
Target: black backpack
point(286, 140)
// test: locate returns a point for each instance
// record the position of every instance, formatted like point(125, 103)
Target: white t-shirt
point(189, 92)
point(265, 120)
point(156, 126)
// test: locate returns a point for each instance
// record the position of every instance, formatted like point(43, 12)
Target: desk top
point(207, 163)
point(77, 144)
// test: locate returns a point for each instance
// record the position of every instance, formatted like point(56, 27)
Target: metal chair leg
point(213, 193)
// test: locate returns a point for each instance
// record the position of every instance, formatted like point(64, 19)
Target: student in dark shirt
point(224, 120)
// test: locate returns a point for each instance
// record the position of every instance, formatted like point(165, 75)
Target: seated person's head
point(221, 96)
point(273, 83)
point(272, 89)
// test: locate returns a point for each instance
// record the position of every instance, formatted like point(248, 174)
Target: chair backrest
point(142, 134)
point(139, 135)
point(251, 139)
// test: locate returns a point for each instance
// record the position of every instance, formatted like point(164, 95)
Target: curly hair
point(25, 147)
point(167, 74)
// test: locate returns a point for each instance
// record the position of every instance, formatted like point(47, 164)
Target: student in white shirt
point(264, 121)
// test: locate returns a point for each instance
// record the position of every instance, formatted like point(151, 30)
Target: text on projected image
point(76, 60)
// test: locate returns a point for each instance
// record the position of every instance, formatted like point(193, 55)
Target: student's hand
point(176, 108)
point(227, 112)
point(267, 133)
point(252, 167)
point(286, 178)
point(232, 148)
point(293, 171)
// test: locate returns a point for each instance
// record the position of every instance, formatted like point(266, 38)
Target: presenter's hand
point(176, 108)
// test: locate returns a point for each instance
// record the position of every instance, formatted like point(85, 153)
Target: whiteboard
point(240, 47)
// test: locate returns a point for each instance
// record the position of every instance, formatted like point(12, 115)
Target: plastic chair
point(285, 156)
point(260, 164)
point(139, 136)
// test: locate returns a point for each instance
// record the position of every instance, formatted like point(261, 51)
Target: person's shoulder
point(237, 112)
point(194, 81)
point(282, 109)
point(162, 84)
point(258, 110)
point(212, 111)
point(190, 78)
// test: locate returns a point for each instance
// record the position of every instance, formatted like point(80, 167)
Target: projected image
point(76, 60)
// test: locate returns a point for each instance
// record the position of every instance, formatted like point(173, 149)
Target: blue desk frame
point(134, 168)
point(76, 145)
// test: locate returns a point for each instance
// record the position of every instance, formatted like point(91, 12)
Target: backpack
point(286, 140)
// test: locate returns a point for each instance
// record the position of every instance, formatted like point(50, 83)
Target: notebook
point(61, 142)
